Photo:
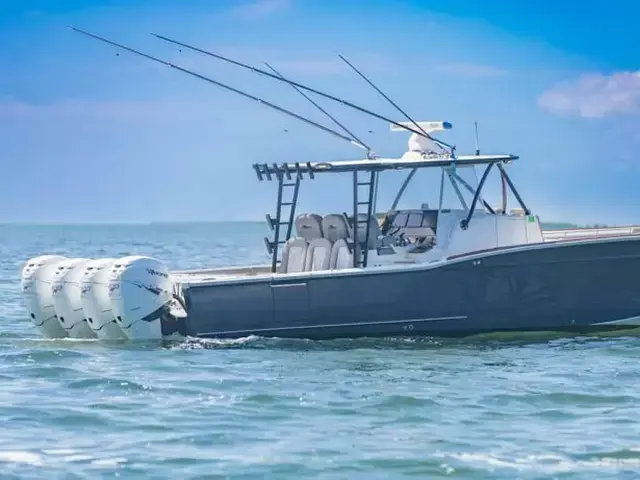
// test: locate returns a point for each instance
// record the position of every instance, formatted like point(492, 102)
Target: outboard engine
point(96, 304)
point(36, 282)
point(66, 297)
point(141, 293)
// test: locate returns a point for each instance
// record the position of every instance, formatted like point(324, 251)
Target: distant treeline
point(544, 225)
point(567, 225)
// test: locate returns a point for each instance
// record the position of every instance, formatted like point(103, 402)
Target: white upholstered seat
point(294, 255)
point(335, 227)
point(341, 257)
point(374, 231)
point(309, 226)
point(318, 255)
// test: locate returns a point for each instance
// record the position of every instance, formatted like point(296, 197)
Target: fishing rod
point(383, 95)
point(348, 132)
point(413, 171)
point(397, 107)
point(304, 87)
point(377, 178)
point(345, 129)
point(221, 85)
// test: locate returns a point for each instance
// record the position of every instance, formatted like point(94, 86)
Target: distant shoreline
point(557, 225)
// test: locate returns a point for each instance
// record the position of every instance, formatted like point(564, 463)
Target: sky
point(90, 133)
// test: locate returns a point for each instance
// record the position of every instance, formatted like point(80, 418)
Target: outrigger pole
point(406, 115)
point(345, 129)
point(224, 86)
point(304, 87)
point(383, 95)
point(274, 245)
point(356, 183)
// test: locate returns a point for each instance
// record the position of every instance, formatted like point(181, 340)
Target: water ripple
point(527, 406)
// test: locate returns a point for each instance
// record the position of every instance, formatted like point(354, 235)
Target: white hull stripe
point(337, 325)
point(624, 321)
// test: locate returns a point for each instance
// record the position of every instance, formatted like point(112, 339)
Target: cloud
point(595, 95)
point(93, 109)
point(132, 113)
point(260, 9)
point(194, 115)
point(471, 69)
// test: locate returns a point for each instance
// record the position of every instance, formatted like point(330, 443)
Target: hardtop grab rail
point(373, 165)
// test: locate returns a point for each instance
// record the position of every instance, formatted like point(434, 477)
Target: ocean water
point(494, 407)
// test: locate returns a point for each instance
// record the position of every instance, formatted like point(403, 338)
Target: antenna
point(345, 129)
point(477, 144)
point(304, 87)
point(222, 85)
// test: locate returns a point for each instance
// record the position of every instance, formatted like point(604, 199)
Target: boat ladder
point(285, 212)
point(362, 212)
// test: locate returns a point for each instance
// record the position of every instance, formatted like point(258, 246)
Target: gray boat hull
point(563, 286)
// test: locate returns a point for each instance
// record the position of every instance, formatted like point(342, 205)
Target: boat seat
point(374, 231)
point(308, 226)
point(318, 255)
point(341, 257)
point(413, 223)
point(335, 226)
point(294, 255)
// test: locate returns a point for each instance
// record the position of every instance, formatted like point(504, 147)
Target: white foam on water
point(543, 463)
point(21, 456)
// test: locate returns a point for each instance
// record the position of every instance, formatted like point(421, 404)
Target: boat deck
point(225, 274)
point(207, 275)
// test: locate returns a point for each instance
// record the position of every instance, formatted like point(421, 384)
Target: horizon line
point(139, 223)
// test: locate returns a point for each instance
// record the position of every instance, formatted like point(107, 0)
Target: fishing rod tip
point(76, 29)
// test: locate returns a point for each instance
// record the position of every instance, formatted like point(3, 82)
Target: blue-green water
point(530, 407)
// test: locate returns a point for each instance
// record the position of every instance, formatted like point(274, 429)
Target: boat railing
point(550, 235)
point(247, 270)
